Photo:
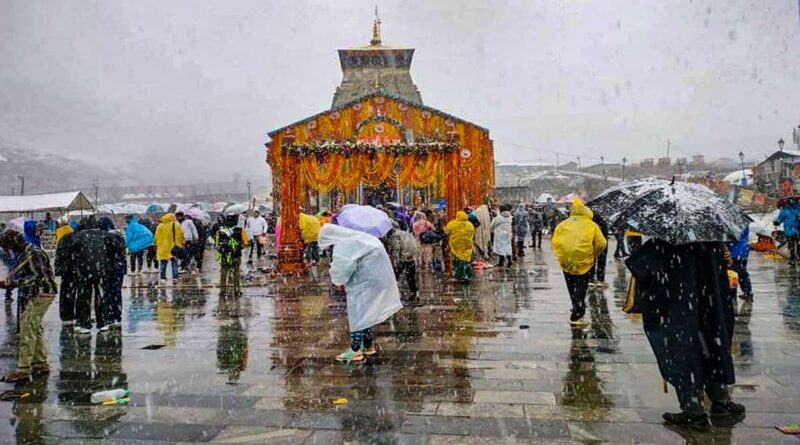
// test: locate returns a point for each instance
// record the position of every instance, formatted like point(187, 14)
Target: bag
point(228, 246)
point(429, 237)
point(261, 239)
point(630, 306)
point(177, 251)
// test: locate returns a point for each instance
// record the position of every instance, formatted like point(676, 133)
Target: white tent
point(735, 177)
point(49, 202)
point(545, 198)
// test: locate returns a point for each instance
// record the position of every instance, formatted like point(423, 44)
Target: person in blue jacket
point(788, 217)
point(31, 236)
point(740, 251)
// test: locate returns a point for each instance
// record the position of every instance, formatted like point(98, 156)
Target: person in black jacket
point(65, 264)
point(91, 269)
point(111, 301)
point(597, 276)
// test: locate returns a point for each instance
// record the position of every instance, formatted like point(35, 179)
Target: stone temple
point(367, 69)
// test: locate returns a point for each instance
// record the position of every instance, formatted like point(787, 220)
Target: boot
point(697, 422)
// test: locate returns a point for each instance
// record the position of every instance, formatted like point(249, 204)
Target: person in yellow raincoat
point(63, 230)
point(168, 235)
point(577, 241)
point(309, 231)
point(459, 236)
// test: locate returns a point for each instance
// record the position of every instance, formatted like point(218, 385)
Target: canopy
point(48, 202)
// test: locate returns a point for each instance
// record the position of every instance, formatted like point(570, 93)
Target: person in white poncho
point(360, 264)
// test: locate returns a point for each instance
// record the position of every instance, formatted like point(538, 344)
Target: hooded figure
point(483, 232)
point(360, 264)
point(577, 241)
point(501, 227)
point(111, 303)
point(137, 237)
point(688, 317)
point(29, 233)
point(460, 233)
point(168, 235)
point(91, 269)
point(520, 223)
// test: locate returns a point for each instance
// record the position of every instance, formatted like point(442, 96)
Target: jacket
point(91, 256)
point(63, 231)
point(30, 236)
point(459, 237)
point(309, 228)
point(741, 249)
point(137, 237)
point(362, 266)
point(115, 248)
point(520, 222)
point(34, 277)
point(402, 246)
point(501, 227)
point(787, 216)
point(168, 235)
point(189, 230)
point(577, 240)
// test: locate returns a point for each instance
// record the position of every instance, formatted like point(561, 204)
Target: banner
point(745, 197)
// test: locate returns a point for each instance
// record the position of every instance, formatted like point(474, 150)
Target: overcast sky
point(180, 90)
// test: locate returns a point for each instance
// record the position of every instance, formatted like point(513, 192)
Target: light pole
point(780, 171)
point(624, 160)
point(780, 144)
point(96, 185)
point(603, 166)
point(249, 197)
point(21, 185)
point(744, 175)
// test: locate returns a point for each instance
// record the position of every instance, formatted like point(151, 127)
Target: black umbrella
point(614, 200)
point(682, 212)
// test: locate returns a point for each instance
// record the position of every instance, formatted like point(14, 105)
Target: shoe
point(369, 351)
point(42, 369)
point(578, 322)
point(746, 297)
point(602, 284)
point(82, 330)
point(17, 377)
point(726, 409)
point(350, 356)
point(68, 323)
point(697, 422)
point(162, 282)
point(104, 328)
point(592, 284)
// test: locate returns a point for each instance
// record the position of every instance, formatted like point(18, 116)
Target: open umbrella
point(365, 219)
point(235, 209)
point(614, 200)
point(198, 214)
point(154, 209)
point(682, 212)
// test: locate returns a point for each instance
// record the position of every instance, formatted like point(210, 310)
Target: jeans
point(521, 246)
point(598, 271)
point(162, 268)
point(232, 271)
point(111, 301)
point(620, 252)
point(257, 247)
point(137, 259)
point(31, 334)
point(66, 298)
point(740, 267)
point(151, 258)
point(536, 237)
point(361, 338)
point(577, 285)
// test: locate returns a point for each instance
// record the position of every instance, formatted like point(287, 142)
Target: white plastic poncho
point(501, 227)
point(361, 264)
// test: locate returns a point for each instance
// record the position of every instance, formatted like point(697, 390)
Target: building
point(767, 175)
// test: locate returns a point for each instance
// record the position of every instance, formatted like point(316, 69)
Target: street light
point(780, 144)
point(744, 176)
point(624, 160)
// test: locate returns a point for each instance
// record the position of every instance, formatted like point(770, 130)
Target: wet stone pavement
point(492, 362)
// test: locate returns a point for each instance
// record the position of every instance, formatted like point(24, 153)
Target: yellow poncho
point(577, 241)
point(61, 231)
point(309, 228)
point(459, 236)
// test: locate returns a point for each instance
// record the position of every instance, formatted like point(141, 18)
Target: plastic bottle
point(112, 394)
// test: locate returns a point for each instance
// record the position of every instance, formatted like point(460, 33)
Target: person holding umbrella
point(577, 242)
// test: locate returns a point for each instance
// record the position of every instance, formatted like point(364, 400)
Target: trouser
point(197, 253)
point(162, 268)
point(598, 271)
point(66, 298)
point(255, 246)
point(521, 246)
point(186, 261)
point(31, 334)
point(791, 242)
point(740, 267)
point(137, 261)
point(311, 252)
point(503, 260)
point(620, 251)
point(361, 338)
point(691, 398)
point(152, 262)
point(426, 254)
point(111, 301)
point(88, 290)
point(410, 269)
point(577, 286)
point(232, 271)
point(536, 237)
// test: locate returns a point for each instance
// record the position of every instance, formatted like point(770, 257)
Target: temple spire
point(376, 29)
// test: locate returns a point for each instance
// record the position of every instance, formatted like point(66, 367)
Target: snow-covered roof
point(48, 202)
point(736, 176)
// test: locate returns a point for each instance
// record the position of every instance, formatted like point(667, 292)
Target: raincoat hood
point(106, 224)
point(506, 213)
point(168, 218)
point(29, 228)
point(333, 235)
point(461, 215)
point(580, 209)
point(309, 228)
point(459, 236)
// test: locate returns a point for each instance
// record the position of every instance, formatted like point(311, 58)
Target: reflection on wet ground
point(493, 362)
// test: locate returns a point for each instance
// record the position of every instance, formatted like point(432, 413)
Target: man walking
point(740, 252)
point(191, 238)
point(256, 230)
point(577, 241)
point(36, 286)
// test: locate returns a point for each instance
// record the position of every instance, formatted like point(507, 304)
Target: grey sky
point(191, 87)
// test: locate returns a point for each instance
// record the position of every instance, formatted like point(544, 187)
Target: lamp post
point(744, 176)
point(624, 160)
point(780, 171)
point(603, 165)
point(780, 144)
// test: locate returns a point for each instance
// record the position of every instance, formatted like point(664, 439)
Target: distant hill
point(49, 173)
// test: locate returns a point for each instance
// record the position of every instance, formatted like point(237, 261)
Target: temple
point(378, 143)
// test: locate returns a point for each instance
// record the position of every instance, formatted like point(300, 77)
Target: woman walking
point(501, 228)
point(459, 237)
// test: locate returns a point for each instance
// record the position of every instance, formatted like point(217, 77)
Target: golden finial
point(376, 30)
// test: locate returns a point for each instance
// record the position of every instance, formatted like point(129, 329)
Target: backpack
point(229, 245)
point(429, 237)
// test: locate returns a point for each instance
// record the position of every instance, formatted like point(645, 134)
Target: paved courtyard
point(493, 362)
